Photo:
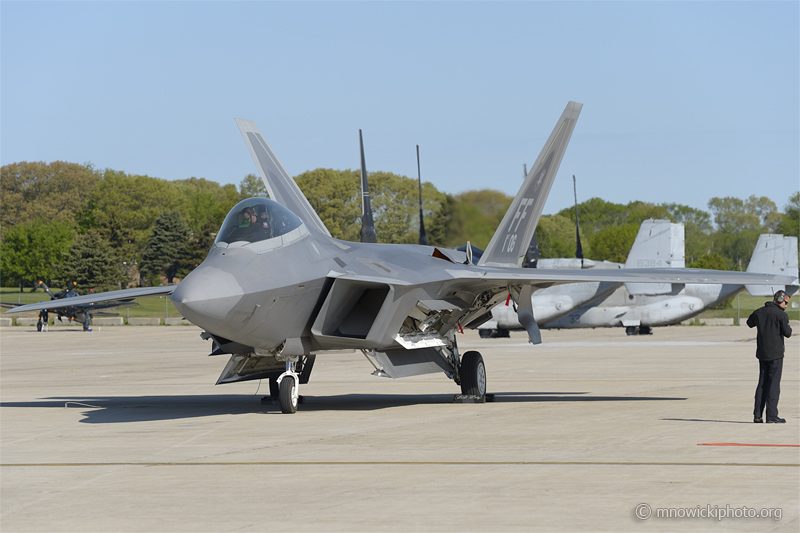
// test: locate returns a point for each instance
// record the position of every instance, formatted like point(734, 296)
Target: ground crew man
point(773, 325)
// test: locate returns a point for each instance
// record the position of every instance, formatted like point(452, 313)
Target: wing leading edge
point(87, 299)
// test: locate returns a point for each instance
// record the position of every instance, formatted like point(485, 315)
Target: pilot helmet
point(244, 217)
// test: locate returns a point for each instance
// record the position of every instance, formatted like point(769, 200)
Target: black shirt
point(773, 326)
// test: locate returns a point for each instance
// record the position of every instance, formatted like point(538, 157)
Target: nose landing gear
point(288, 385)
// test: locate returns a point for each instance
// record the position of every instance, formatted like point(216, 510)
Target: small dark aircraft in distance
point(80, 313)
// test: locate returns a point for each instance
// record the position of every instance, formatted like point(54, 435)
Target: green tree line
point(723, 237)
point(63, 222)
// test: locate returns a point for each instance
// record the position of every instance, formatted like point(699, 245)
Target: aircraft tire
point(473, 374)
point(39, 326)
point(288, 398)
point(503, 333)
point(485, 333)
point(631, 330)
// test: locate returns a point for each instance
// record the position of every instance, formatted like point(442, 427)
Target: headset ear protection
point(780, 297)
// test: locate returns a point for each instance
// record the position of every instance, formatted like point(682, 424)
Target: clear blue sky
point(683, 101)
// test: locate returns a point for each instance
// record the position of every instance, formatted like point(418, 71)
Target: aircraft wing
point(632, 275)
point(89, 299)
point(373, 311)
point(116, 304)
point(280, 186)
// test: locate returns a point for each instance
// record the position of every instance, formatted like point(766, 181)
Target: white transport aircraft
point(659, 244)
point(639, 312)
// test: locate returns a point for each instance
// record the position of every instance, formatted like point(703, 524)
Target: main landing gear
point(472, 372)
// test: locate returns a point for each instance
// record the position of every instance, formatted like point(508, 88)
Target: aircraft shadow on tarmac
point(122, 409)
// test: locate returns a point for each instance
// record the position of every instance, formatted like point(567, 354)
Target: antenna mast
point(579, 249)
point(423, 238)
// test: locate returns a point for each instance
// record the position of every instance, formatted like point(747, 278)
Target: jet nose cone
point(207, 295)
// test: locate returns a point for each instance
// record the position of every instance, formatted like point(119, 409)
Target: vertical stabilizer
point(659, 244)
point(280, 186)
point(768, 258)
point(790, 255)
point(510, 242)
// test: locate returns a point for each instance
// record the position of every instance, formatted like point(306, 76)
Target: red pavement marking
point(739, 444)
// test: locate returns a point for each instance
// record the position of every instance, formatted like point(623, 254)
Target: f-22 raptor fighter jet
point(276, 289)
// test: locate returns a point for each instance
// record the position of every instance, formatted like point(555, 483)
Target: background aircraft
point(658, 244)
point(275, 294)
point(638, 313)
point(81, 313)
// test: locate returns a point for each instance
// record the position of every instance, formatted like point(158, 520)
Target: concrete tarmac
point(122, 429)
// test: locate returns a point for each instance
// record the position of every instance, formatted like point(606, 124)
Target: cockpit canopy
point(257, 219)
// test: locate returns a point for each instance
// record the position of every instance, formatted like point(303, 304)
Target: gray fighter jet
point(276, 289)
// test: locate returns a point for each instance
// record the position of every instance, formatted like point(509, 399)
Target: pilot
point(246, 219)
point(254, 225)
point(260, 227)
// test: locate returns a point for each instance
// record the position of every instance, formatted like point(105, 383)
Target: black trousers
point(769, 388)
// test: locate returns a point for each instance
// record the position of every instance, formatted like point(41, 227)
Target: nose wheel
point(288, 395)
